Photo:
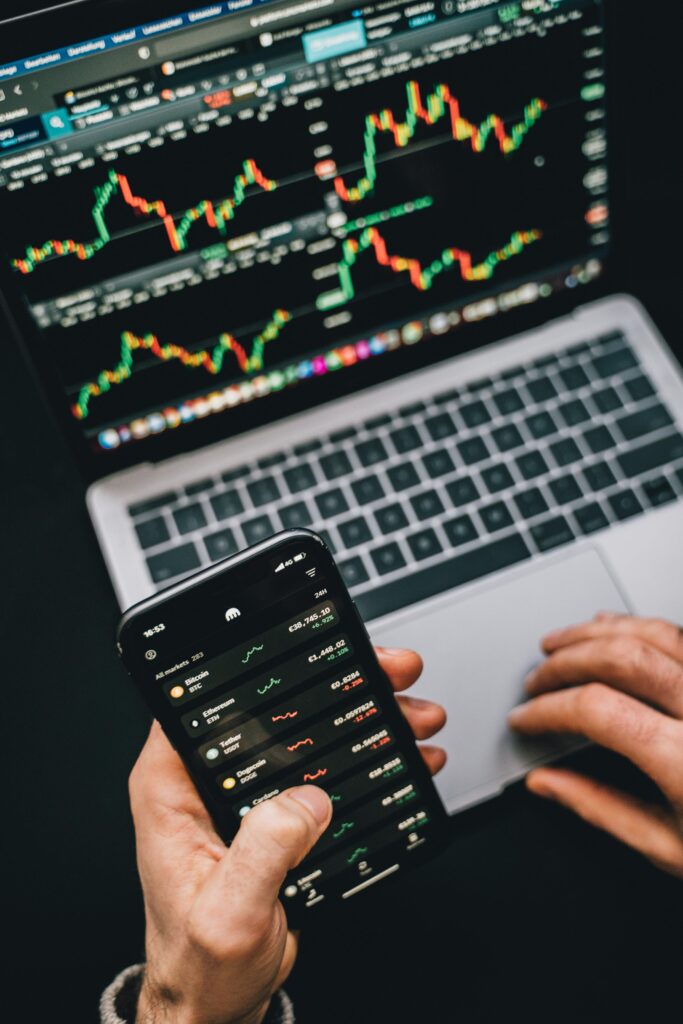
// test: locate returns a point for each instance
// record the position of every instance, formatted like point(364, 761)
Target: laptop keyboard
point(448, 489)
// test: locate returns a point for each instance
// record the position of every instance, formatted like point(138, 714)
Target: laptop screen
point(220, 205)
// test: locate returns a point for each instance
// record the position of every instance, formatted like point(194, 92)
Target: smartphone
point(262, 675)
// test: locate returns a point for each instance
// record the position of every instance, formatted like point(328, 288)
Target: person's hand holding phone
point(217, 942)
point(618, 681)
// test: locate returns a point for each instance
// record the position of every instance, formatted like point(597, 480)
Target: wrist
point(162, 1005)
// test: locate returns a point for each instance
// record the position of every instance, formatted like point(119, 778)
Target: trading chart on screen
point(198, 221)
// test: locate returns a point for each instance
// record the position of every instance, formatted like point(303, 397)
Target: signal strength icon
point(280, 567)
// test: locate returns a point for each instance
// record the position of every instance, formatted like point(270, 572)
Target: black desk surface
point(529, 909)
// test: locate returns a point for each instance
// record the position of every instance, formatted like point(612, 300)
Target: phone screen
point(262, 674)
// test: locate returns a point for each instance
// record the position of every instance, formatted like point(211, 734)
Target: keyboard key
point(541, 425)
point(614, 362)
point(424, 545)
point(639, 388)
point(152, 531)
point(497, 478)
point(532, 464)
point(599, 476)
point(295, 515)
point(152, 504)
point(174, 562)
point(651, 456)
point(495, 517)
point(263, 491)
point(444, 397)
point(574, 377)
point(331, 503)
point(353, 572)
point(507, 437)
point(335, 464)
point(403, 476)
point(367, 489)
point(479, 385)
point(220, 544)
point(354, 532)
point(189, 518)
point(235, 473)
point(388, 558)
point(258, 529)
point(370, 452)
point(625, 504)
point(531, 503)
point(462, 491)
point(508, 402)
point(440, 426)
point(607, 400)
point(542, 389)
point(299, 478)
point(438, 463)
point(545, 361)
point(445, 575)
point(590, 518)
point(598, 439)
point(659, 491)
point(565, 451)
point(412, 409)
point(644, 422)
point(405, 439)
point(268, 461)
point(427, 504)
point(473, 450)
point(565, 489)
point(378, 421)
point(198, 487)
point(475, 414)
point(552, 533)
point(337, 436)
point(391, 518)
point(307, 447)
point(574, 412)
point(226, 505)
point(460, 531)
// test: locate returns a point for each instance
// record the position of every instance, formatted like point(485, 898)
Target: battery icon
point(300, 556)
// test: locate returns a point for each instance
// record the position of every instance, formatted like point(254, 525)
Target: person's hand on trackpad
point(618, 681)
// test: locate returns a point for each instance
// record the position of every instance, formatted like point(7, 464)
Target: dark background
point(529, 911)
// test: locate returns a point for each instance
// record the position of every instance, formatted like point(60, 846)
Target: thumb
point(272, 839)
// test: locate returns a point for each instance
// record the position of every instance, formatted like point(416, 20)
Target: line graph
point(215, 213)
point(421, 277)
point(211, 361)
point(438, 105)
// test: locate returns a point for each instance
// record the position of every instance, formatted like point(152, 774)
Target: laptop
point(298, 262)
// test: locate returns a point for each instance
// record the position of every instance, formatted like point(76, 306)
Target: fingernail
point(529, 679)
point(607, 615)
point(416, 702)
point(315, 799)
point(393, 652)
point(538, 788)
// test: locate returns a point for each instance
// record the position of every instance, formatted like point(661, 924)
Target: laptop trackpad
point(477, 652)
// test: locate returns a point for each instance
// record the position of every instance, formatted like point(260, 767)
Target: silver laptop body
point(473, 502)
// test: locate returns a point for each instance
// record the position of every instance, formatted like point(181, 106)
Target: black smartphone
point(262, 675)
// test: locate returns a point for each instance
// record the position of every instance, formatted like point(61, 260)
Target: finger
point(423, 716)
point(656, 632)
point(434, 757)
point(649, 829)
point(272, 839)
point(620, 723)
point(402, 667)
point(625, 662)
point(159, 783)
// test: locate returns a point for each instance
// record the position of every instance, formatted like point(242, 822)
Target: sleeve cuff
point(119, 1001)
